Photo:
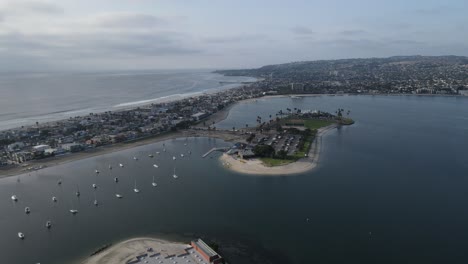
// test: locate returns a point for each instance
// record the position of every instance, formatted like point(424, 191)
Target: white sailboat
point(110, 167)
point(77, 191)
point(150, 155)
point(95, 200)
point(59, 182)
point(14, 198)
point(173, 158)
point(116, 179)
point(156, 166)
point(48, 224)
point(27, 210)
point(135, 188)
point(182, 155)
point(154, 183)
point(73, 211)
point(118, 196)
point(157, 152)
point(175, 175)
point(97, 171)
point(121, 165)
point(54, 199)
point(94, 186)
point(21, 235)
point(135, 158)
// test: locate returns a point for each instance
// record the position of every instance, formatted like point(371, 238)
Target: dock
point(214, 149)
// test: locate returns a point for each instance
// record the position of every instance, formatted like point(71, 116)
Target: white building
point(41, 147)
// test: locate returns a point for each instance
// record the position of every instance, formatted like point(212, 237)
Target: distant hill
point(364, 66)
point(395, 75)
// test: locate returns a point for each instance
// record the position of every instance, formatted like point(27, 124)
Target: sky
point(41, 35)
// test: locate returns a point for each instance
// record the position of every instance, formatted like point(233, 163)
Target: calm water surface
point(393, 188)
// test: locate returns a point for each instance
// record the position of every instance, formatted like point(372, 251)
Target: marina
point(310, 204)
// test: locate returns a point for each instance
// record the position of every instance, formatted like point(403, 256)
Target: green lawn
point(316, 124)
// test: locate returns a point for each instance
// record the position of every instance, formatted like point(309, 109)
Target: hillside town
point(444, 75)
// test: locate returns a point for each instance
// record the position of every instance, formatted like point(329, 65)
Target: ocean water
point(29, 98)
point(392, 188)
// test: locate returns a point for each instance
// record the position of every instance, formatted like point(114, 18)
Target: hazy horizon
point(53, 35)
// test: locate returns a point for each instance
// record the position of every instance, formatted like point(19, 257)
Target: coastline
point(299, 166)
point(256, 166)
point(62, 159)
point(128, 249)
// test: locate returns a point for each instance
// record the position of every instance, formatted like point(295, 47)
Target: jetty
point(214, 149)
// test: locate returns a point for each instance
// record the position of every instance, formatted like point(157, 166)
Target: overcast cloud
point(163, 34)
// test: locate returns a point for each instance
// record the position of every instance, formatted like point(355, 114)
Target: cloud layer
point(41, 35)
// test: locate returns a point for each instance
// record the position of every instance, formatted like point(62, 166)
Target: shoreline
point(107, 149)
point(128, 249)
point(71, 157)
point(256, 166)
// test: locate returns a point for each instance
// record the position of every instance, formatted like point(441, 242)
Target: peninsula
point(285, 145)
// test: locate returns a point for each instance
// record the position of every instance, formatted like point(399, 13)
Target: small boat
point(135, 188)
point(48, 224)
point(189, 152)
point(96, 202)
point(135, 158)
point(73, 211)
point(121, 165)
point(21, 235)
point(157, 152)
point(110, 167)
point(118, 196)
point(156, 166)
point(54, 199)
point(116, 179)
point(173, 158)
point(94, 185)
point(27, 210)
point(182, 155)
point(175, 175)
point(78, 193)
point(150, 155)
point(97, 171)
point(14, 198)
point(59, 182)
point(154, 183)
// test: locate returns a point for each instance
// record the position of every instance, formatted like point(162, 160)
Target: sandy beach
point(256, 166)
point(129, 249)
